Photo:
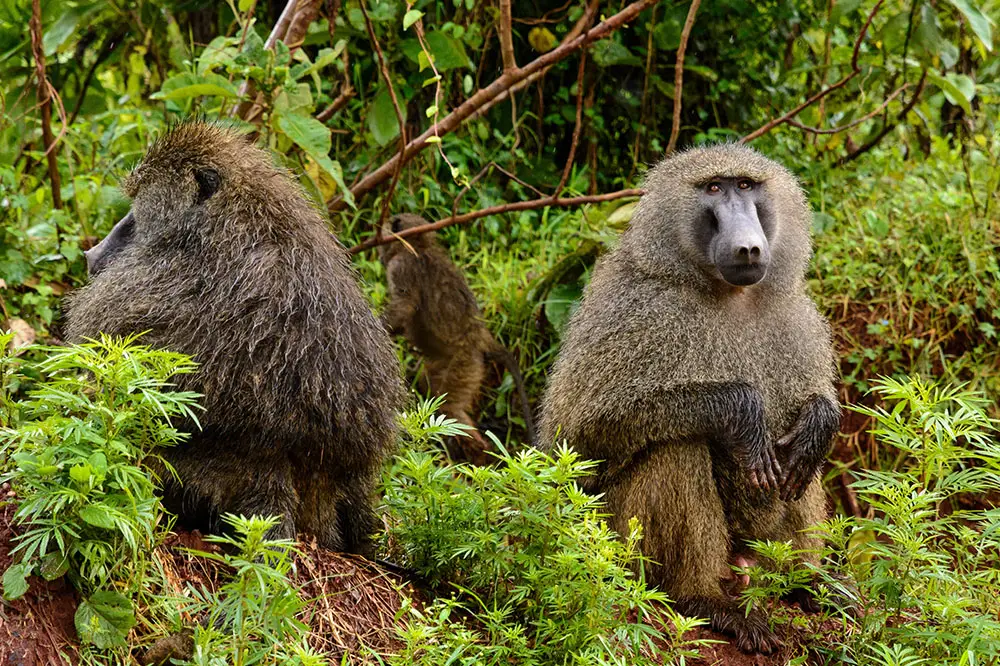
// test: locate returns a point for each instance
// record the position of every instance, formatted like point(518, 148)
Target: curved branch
point(497, 210)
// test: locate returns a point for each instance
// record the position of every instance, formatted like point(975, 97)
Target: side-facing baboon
point(221, 257)
point(700, 372)
point(431, 305)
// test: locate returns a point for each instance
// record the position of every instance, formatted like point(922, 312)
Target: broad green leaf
point(382, 119)
point(448, 52)
point(57, 33)
point(561, 302)
point(978, 21)
point(97, 516)
point(608, 52)
point(958, 88)
point(411, 17)
point(15, 581)
point(105, 619)
point(188, 85)
point(542, 39)
point(313, 137)
point(80, 473)
point(53, 565)
point(245, 5)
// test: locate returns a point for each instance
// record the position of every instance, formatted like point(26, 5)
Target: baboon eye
point(714, 188)
point(745, 184)
point(397, 224)
point(208, 182)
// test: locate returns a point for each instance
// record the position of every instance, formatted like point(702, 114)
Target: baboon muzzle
point(99, 256)
point(740, 249)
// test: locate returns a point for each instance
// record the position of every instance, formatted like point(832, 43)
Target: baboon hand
point(800, 463)
point(762, 467)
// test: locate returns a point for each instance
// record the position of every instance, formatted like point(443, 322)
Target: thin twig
point(497, 210)
point(887, 127)
point(855, 70)
point(277, 32)
point(384, 69)
point(853, 123)
point(106, 49)
point(675, 123)
point(641, 129)
point(483, 172)
point(336, 105)
point(45, 102)
point(489, 96)
point(506, 38)
point(576, 126)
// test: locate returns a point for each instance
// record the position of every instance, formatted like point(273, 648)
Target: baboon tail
point(498, 353)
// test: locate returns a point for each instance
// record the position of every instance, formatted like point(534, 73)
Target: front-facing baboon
point(221, 257)
point(431, 305)
point(700, 372)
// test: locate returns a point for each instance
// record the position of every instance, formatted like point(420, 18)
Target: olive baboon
point(700, 372)
point(221, 257)
point(431, 305)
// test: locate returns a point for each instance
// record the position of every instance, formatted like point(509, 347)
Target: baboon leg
point(802, 514)
point(685, 535)
point(318, 496)
point(358, 520)
point(459, 377)
point(214, 482)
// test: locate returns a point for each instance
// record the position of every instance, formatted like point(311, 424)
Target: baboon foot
point(472, 450)
point(805, 598)
point(750, 633)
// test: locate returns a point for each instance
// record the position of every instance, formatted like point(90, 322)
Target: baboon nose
point(748, 254)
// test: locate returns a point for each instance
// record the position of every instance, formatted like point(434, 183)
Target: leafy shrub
point(252, 618)
point(79, 457)
point(915, 581)
point(535, 574)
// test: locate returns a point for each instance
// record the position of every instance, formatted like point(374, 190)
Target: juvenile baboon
point(431, 305)
point(221, 257)
point(700, 372)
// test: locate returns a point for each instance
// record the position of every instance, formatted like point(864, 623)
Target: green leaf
point(978, 21)
point(188, 85)
point(313, 137)
point(411, 17)
point(57, 33)
point(842, 9)
point(608, 52)
point(54, 565)
point(97, 516)
point(382, 120)
point(245, 5)
point(80, 473)
point(561, 302)
point(958, 88)
point(15, 581)
point(448, 52)
point(105, 619)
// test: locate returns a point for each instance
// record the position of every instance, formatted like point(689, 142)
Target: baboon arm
point(807, 445)
point(398, 314)
point(726, 414)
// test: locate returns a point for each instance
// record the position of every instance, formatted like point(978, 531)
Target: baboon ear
point(208, 180)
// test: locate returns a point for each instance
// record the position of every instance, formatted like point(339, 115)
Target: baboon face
point(398, 223)
point(171, 191)
point(725, 212)
point(732, 228)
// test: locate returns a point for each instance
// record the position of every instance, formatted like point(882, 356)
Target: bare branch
point(384, 69)
point(497, 210)
point(675, 126)
point(489, 96)
point(45, 103)
point(888, 126)
point(853, 123)
point(855, 70)
point(506, 37)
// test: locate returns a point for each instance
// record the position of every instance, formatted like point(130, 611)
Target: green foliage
point(916, 580)
point(251, 618)
point(526, 555)
point(79, 462)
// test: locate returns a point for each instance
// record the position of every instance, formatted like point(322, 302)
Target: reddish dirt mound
point(37, 629)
